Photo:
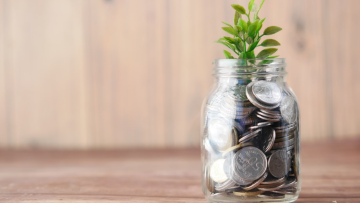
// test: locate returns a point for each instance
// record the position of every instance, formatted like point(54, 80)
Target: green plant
point(246, 34)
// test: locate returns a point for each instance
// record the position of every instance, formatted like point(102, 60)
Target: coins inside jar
point(251, 135)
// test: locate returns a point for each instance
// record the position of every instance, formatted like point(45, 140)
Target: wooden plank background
point(124, 73)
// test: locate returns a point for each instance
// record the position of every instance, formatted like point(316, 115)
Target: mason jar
point(250, 134)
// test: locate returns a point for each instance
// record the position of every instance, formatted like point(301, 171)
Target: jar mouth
point(235, 67)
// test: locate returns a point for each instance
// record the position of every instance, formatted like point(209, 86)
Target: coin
point(235, 148)
point(254, 101)
point(208, 147)
point(225, 185)
point(288, 110)
point(279, 164)
point(267, 92)
point(239, 127)
point(221, 134)
point(271, 195)
point(210, 185)
point(271, 189)
point(268, 119)
point(286, 191)
point(271, 185)
point(248, 193)
point(228, 169)
point(272, 180)
point(268, 115)
point(217, 172)
point(284, 138)
point(286, 149)
point(248, 136)
point(256, 183)
point(290, 182)
point(265, 140)
point(274, 113)
point(284, 144)
point(249, 163)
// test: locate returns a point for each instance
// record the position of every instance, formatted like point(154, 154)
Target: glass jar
point(250, 134)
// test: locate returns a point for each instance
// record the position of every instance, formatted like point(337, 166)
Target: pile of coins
point(251, 132)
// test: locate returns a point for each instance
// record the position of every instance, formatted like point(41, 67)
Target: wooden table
point(331, 172)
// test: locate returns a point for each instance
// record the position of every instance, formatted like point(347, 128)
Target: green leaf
point(240, 47)
point(250, 55)
point(227, 24)
point(252, 29)
point(266, 53)
point(230, 30)
point(228, 55)
point(230, 46)
point(272, 57)
point(272, 30)
point(270, 43)
point(249, 40)
point(239, 9)
point(260, 7)
point(239, 28)
point(236, 18)
point(242, 55)
point(251, 4)
point(243, 24)
point(230, 40)
point(260, 25)
point(253, 45)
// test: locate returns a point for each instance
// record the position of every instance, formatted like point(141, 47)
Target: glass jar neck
point(249, 68)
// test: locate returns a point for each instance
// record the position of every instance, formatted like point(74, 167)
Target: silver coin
point(254, 101)
point(265, 140)
point(281, 145)
point(272, 189)
point(274, 113)
point(208, 147)
point(248, 136)
point(279, 164)
point(249, 163)
point(256, 183)
point(228, 169)
point(269, 143)
point(289, 148)
point(290, 182)
point(285, 127)
point(271, 181)
point(251, 120)
point(286, 191)
point(225, 185)
point(271, 195)
point(220, 134)
point(288, 109)
point(267, 92)
point(267, 119)
point(268, 115)
point(263, 124)
point(239, 127)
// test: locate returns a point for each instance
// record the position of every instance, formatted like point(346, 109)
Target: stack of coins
point(251, 134)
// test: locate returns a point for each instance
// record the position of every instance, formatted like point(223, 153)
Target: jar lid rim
point(248, 62)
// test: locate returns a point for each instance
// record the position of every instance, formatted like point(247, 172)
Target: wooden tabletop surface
point(330, 171)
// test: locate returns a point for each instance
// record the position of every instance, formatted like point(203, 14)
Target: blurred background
point(85, 74)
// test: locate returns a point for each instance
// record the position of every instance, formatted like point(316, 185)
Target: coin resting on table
point(251, 133)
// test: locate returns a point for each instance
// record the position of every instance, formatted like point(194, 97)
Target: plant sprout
point(245, 34)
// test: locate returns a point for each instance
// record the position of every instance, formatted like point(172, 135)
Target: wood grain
point(123, 73)
point(159, 175)
point(4, 133)
point(45, 55)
